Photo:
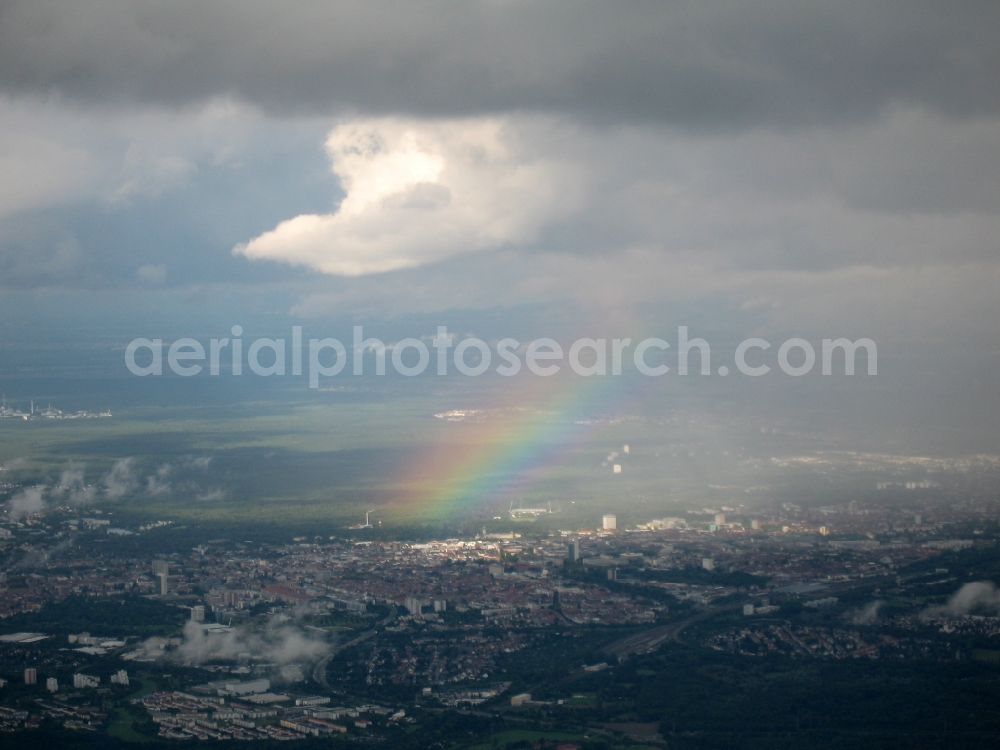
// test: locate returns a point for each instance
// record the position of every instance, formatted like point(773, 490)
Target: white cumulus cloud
point(420, 191)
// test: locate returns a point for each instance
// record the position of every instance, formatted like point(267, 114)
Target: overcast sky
point(774, 168)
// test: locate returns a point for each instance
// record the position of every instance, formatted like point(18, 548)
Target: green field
point(329, 457)
point(284, 455)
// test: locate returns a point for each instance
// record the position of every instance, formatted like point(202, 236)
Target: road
point(649, 640)
point(319, 670)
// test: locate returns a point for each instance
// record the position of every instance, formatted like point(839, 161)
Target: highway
point(319, 670)
point(649, 640)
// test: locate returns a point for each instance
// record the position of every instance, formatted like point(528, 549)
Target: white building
point(246, 688)
point(610, 522)
point(85, 681)
point(120, 678)
point(52, 685)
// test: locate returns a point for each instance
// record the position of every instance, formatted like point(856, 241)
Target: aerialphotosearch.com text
point(444, 354)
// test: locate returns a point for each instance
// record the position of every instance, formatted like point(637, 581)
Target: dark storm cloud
point(702, 64)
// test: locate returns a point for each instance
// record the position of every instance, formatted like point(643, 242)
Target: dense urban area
point(615, 635)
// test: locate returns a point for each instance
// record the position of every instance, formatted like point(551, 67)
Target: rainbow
point(489, 461)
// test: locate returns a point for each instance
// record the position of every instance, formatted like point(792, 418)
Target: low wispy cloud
point(279, 643)
point(73, 488)
point(27, 502)
point(868, 614)
point(124, 480)
point(211, 495)
point(978, 597)
point(158, 483)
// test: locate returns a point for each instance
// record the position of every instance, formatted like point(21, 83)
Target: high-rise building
point(30, 676)
point(85, 681)
point(198, 613)
point(161, 568)
point(120, 678)
point(616, 469)
point(610, 522)
point(52, 685)
point(720, 519)
point(708, 563)
point(756, 524)
point(573, 551)
point(164, 584)
point(413, 605)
